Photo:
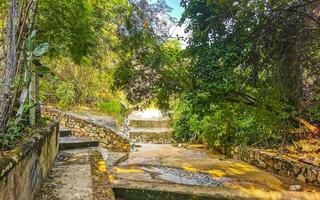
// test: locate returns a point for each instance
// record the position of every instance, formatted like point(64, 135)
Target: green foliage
point(112, 108)
point(242, 78)
point(226, 124)
point(17, 129)
point(83, 38)
point(247, 79)
point(66, 94)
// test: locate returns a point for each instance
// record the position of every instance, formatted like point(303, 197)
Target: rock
point(287, 165)
point(284, 173)
point(278, 166)
point(311, 175)
point(296, 169)
point(301, 178)
point(251, 155)
point(269, 162)
point(102, 134)
point(257, 155)
point(318, 178)
point(271, 170)
point(262, 164)
point(294, 187)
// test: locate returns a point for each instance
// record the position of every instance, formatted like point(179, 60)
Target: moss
point(12, 157)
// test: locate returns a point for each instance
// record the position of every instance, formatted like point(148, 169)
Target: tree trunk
point(10, 68)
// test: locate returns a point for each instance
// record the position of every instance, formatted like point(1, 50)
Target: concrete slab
point(65, 132)
point(72, 142)
point(189, 167)
point(78, 174)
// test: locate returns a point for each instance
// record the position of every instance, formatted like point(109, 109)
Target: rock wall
point(281, 165)
point(160, 136)
point(23, 169)
point(107, 137)
point(142, 123)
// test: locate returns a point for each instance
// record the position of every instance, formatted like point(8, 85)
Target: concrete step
point(72, 142)
point(77, 174)
point(150, 123)
point(151, 135)
point(65, 132)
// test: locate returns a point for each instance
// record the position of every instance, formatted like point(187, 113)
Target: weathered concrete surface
point(240, 180)
point(148, 114)
point(65, 132)
point(24, 168)
point(78, 174)
point(150, 126)
point(72, 142)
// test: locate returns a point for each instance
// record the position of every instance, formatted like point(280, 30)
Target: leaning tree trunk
point(10, 68)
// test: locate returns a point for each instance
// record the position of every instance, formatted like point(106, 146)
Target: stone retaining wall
point(107, 137)
point(281, 165)
point(23, 169)
point(143, 123)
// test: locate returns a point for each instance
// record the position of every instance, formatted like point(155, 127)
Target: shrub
point(65, 92)
point(113, 108)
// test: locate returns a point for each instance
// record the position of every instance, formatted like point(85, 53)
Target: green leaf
point(43, 70)
point(41, 49)
point(33, 33)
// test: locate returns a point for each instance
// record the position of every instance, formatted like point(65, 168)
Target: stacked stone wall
point(282, 165)
point(107, 137)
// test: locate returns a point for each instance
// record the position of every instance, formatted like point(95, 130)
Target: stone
point(102, 134)
point(278, 166)
point(287, 165)
point(301, 178)
point(296, 169)
point(318, 178)
point(262, 164)
point(271, 170)
point(107, 138)
point(294, 187)
point(255, 163)
point(311, 176)
point(257, 155)
point(251, 154)
point(284, 173)
point(269, 162)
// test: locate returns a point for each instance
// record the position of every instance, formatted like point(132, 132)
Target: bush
point(66, 94)
point(113, 108)
point(226, 124)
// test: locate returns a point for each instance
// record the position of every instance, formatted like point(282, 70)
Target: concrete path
point(171, 169)
point(79, 172)
point(70, 177)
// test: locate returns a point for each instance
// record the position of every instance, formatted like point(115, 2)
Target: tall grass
point(112, 108)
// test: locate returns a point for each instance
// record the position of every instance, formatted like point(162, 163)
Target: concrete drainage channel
point(167, 174)
point(155, 182)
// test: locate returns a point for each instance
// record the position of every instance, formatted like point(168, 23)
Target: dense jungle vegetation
point(249, 74)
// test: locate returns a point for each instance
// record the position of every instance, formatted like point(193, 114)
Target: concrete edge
point(9, 161)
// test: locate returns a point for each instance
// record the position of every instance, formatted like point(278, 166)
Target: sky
point(177, 9)
point(175, 5)
point(176, 12)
